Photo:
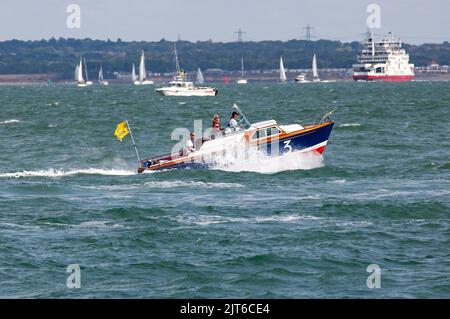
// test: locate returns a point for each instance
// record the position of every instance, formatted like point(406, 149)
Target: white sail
point(242, 67)
point(314, 69)
point(282, 71)
point(200, 78)
point(100, 74)
point(85, 70)
point(133, 74)
point(142, 72)
point(80, 72)
point(76, 73)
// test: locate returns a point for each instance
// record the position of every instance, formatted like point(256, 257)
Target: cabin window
point(270, 131)
point(259, 134)
point(273, 131)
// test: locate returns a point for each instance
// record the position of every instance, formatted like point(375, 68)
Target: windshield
point(243, 121)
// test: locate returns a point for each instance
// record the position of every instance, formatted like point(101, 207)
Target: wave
point(10, 121)
point(203, 220)
point(171, 184)
point(350, 125)
point(259, 162)
point(164, 184)
point(52, 172)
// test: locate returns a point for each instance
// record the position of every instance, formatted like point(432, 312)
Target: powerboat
point(268, 137)
point(301, 78)
point(180, 86)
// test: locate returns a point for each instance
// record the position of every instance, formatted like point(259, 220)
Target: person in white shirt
point(190, 145)
point(232, 122)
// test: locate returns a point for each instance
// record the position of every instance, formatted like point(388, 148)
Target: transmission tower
point(308, 36)
point(240, 35)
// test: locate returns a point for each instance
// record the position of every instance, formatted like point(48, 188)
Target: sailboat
point(242, 80)
point(142, 73)
point(282, 71)
point(76, 73)
point(79, 75)
point(314, 69)
point(86, 73)
point(133, 74)
point(101, 81)
point(200, 78)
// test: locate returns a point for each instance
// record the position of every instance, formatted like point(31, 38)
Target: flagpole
point(134, 143)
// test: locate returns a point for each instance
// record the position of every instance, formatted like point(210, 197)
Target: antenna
point(177, 64)
point(308, 36)
point(240, 34)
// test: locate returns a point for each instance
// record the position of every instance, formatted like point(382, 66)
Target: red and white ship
point(383, 60)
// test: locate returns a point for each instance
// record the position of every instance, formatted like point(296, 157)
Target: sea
point(370, 218)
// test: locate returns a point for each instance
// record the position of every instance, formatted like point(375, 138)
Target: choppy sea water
point(307, 227)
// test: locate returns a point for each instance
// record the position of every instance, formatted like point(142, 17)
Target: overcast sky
point(415, 21)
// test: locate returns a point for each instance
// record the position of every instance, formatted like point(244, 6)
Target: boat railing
point(326, 117)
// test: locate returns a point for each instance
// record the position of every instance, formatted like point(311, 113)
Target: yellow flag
point(121, 130)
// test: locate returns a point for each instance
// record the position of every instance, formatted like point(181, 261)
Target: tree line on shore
point(59, 56)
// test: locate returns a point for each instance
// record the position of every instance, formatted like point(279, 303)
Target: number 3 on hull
point(287, 146)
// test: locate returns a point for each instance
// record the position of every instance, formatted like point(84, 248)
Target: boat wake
point(259, 162)
point(350, 125)
point(10, 121)
point(52, 173)
point(204, 220)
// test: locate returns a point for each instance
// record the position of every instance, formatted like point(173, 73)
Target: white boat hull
point(171, 91)
point(242, 81)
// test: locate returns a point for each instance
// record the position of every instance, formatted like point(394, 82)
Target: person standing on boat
point(232, 122)
point(190, 145)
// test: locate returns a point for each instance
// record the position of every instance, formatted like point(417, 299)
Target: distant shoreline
point(42, 78)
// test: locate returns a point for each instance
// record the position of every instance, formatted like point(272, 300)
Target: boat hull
point(312, 139)
point(384, 78)
point(189, 92)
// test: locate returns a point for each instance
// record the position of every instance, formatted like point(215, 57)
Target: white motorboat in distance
point(180, 86)
point(301, 78)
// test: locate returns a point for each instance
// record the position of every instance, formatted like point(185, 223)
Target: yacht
point(142, 73)
point(180, 86)
point(80, 80)
point(102, 81)
point(242, 80)
point(282, 71)
point(301, 78)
